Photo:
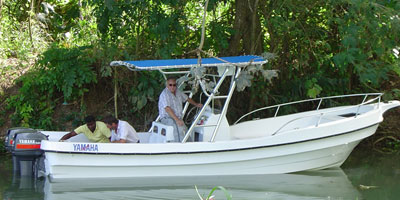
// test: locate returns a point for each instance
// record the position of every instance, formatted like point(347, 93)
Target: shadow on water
point(365, 175)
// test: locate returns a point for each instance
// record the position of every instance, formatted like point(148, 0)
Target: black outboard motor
point(9, 140)
point(26, 151)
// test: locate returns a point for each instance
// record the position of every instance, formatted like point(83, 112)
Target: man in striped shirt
point(170, 108)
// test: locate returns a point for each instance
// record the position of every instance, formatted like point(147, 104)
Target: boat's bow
point(389, 105)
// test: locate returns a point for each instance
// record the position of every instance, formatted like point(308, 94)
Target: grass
point(211, 196)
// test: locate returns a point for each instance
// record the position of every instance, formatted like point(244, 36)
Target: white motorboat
point(318, 138)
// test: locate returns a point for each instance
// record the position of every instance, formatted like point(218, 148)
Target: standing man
point(170, 108)
point(95, 131)
point(121, 131)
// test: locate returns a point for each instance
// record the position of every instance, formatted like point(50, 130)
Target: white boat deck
point(271, 126)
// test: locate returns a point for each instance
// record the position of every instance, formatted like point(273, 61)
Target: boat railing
point(277, 107)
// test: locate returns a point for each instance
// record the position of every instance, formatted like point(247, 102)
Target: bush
point(60, 73)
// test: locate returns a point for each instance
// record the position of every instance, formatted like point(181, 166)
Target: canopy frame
point(227, 67)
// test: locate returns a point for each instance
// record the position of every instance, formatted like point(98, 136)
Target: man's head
point(90, 122)
point(171, 84)
point(111, 122)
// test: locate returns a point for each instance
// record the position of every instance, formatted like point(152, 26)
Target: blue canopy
point(188, 63)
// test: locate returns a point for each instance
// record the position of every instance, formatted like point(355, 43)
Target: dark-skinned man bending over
point(95, 131)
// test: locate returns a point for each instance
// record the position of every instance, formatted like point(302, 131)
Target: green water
point(370, 168)
point(365, 175)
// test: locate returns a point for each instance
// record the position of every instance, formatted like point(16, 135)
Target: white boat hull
point(301, 146)
point(316, 154)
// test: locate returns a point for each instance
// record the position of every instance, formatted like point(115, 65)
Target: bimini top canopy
point(188, 63)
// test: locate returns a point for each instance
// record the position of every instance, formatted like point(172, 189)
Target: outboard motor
point(9, 140)
point(26, 151)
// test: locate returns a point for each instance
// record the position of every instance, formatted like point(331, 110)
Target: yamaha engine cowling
point(9, 140)
point(26, 151)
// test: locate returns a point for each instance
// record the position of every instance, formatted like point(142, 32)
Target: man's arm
point(107, 133)
point(119, 141)
point(191, 101)
point(122, 132)
point(68, 135)
point(173, 116)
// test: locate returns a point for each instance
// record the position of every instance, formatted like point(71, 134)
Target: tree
point(247, 36)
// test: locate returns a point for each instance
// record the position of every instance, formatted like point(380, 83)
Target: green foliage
point(48, 22)
point(15, 42)
point(156, 22)
point(367, 42)
point(62, 18)
point(60, 73)
point(75, 117)
point(2, 147)
point(211, 196)
point(336, 47)
point(81, 31)
point(323, 47)
point(313, 89)
point(146, 91)
point(220, 32)
point(2, 117)
point(30, 108)
point(67, 70)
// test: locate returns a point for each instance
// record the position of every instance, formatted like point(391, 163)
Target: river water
point(366, 174)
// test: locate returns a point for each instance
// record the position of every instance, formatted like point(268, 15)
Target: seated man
point(95, 131)
point(170, 108)
point(121, 131)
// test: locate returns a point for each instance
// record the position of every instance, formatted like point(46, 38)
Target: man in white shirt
point(121, 131)
point(170, 108)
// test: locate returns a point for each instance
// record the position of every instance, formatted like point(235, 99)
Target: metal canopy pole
point(115, 93)
point(205, 104)
point(225, 108)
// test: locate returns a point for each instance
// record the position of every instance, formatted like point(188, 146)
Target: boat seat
point(144, 137)
point(161, 133)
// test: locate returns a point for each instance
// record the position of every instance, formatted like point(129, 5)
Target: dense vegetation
point(322, 47)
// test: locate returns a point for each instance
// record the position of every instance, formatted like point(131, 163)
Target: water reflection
point(24, 188)
point(372, 168)
point(325, 184)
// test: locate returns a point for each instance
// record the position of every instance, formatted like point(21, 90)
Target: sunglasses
point(172, 85)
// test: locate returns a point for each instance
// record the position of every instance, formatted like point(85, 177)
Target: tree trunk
point(80, 9)
point(273, 36)
point(30, 23)
point(1, 6)
point(247, 38)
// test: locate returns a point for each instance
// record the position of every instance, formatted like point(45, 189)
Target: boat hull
point(315, 154)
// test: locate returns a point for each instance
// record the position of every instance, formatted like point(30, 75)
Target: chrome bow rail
point(376, 97)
